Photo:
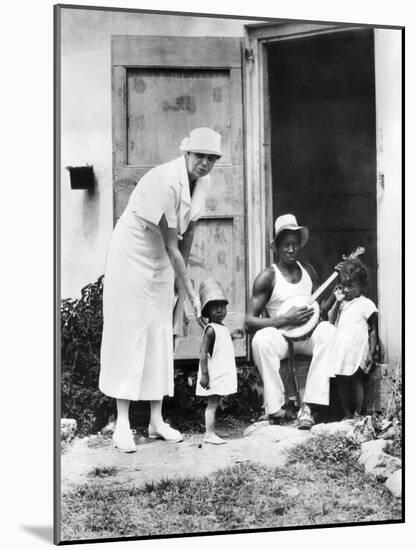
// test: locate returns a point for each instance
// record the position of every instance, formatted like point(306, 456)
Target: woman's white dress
point(221, 365)
point(137, 339)
point(350, 344)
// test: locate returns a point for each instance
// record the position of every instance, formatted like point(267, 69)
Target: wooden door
point(163, 87)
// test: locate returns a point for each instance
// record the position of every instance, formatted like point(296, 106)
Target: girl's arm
point(373, 339)
point(326, 305)
point(334, 311)
point(208, 341)
point(170, 239)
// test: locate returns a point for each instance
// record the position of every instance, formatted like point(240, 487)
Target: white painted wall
point(389, 156)
point(86, 138)
point(86, 219)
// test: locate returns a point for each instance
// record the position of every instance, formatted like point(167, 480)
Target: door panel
point(179, 98)
point(163, 87)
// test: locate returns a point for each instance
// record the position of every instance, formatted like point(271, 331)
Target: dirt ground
point(154, 460)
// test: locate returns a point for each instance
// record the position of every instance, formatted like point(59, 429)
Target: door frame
point(260, 223)
point(388, 57)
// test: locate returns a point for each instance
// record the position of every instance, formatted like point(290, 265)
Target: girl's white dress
point(221, 365)
point(137, 339)
point(350, 344)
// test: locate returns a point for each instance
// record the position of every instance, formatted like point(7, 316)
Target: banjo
point(295, 333)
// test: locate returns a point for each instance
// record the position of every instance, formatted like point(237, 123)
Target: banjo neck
point(314, 297)
point(355, 254)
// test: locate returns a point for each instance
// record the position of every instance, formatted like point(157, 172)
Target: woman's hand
point(204, 380)
point(237, 334)
point(197, 310)
point(370, 362)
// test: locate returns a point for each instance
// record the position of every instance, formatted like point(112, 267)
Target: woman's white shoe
point(123, 440)
point(214, 439)
point(164, 431)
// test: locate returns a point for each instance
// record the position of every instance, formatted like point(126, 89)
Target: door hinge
point(249, 54)
point(381, 179)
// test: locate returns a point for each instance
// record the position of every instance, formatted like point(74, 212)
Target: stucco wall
point(86, 137)
point(389, 146)
point(86, 218)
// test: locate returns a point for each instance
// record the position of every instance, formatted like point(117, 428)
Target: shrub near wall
point(81, 333)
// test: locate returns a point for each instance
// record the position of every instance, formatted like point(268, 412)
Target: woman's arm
point(170, 239)
point(185, 245)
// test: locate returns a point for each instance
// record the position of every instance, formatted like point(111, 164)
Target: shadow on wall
point(91, 213)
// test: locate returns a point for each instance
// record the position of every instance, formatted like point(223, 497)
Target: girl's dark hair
point(355, 270)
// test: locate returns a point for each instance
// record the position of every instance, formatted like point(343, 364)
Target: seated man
point(286, 278)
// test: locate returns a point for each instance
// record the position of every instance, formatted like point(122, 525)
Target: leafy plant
point(81, 333)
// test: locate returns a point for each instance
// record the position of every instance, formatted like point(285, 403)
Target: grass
point(321, 484)
point(104, 471)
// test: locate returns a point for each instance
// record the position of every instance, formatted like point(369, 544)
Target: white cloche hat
point(202, 140)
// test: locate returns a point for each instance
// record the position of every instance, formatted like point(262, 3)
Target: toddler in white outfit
point(217, 368)
point(354, 344)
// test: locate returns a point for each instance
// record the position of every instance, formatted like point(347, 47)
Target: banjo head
point(299, 332)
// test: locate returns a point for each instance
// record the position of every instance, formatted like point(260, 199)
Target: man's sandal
point(291, 410)
point(277, 417)
point(305, 420)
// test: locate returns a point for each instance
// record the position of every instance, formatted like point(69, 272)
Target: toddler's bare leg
point(210, 417)
point(358, 391)
point(344, 388)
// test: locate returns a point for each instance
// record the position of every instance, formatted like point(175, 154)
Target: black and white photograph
point(205, 251)
point(228, 224)
point(283, 435)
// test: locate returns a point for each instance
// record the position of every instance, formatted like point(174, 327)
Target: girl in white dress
point(217, 368)
point(354, 343)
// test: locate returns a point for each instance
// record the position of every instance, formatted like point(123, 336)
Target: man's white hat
point(289, 222)
point(202, 140)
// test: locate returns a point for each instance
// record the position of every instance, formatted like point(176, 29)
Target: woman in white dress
point(150, 246)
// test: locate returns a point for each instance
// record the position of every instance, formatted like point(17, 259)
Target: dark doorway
point(323, 143)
